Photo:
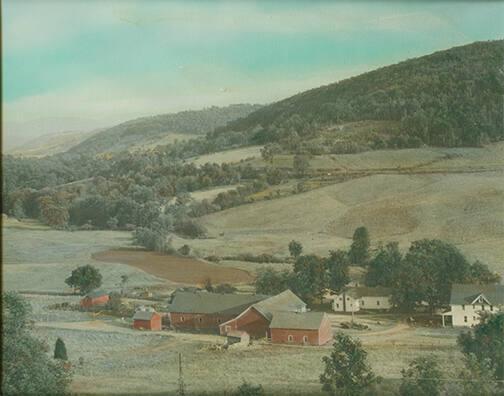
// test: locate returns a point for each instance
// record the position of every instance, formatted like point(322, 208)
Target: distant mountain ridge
point(150, 131)
point(449, 98)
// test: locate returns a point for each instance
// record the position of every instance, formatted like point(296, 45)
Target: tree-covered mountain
point(449, 98)
point(151, 131)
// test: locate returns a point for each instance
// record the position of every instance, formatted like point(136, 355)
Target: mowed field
point(466, 209)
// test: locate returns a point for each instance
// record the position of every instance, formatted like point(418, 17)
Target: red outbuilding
point(94, 298)
point(147, 320)
point(304, 328)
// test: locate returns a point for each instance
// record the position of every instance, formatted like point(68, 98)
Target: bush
point(190, 228)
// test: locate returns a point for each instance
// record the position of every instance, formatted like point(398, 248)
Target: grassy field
point(228, 156)
point(41, 259)
point(463, 208)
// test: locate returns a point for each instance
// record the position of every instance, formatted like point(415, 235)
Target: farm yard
point(128, 361)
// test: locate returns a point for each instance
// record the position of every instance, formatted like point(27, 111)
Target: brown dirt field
point(173, 268)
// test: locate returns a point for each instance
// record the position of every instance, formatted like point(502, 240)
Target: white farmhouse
point(467, 302)
point(368, 298)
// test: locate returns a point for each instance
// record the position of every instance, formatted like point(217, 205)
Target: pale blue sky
point(106, 61)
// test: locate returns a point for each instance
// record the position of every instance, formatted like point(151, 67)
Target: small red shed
point(97, 297)
point(147, 320)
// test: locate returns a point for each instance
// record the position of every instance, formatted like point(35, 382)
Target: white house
point(368, 298)
point(467, 302)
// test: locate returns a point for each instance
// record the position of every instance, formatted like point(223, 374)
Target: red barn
point(147, 320)
point(256, 319)
point(307, 328)
point(94, 298)
point(206, 311)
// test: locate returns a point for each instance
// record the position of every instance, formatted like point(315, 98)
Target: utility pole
point(181, 385)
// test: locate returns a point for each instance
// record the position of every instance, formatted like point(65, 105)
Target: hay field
point(235, 155)
point(466, 209)
point(40, 260)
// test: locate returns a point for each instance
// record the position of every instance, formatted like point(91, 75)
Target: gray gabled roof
point(285, 301)
point(143, 315)
point(297, 321)
point(212, 303)
point(462, 294)
point(359, 292)
point(96, 293)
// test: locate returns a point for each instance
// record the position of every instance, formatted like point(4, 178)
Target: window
point(465, 319)
point(337, 305)
point(378, 302)
point(305, 339)
point(200, 319)
point(289, 338)
point(482, 307)
point(463, 307)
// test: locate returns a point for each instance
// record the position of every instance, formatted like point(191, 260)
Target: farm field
point(463, 208)
point(235, 155)
point(173, 268)
point(40, 260)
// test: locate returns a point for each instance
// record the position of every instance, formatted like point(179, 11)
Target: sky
point(85, 64)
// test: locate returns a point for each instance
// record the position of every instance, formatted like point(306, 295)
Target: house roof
point(96, 293)
point(285, 301)
point(297, 320)
point(209, 303)
point(359, 292)
point(466, 293)
point(143, 315)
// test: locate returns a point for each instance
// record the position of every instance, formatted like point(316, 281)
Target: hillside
point(51, 144)
point(148, 132)
point(449, 98)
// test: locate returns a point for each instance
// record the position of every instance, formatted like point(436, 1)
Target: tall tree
point(385, 266)
point(86, 278)
point(338, 268)
point(310, 277)
point(486, 343)
point(477, 378)
point(26, 367)
point(295, 248)
point(271, 282)
point(347, 372)
point(421, 378)
point(439, 265)
point(359, 250)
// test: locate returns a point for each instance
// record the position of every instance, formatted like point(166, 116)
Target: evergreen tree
point(60, 351)
point(359, 251)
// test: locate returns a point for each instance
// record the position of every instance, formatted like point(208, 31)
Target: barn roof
point(285, 301)
point(96, 293)
point(210, 303)
point(297, 320)
point(466, 293)
point(359, 292)
point(143, 315)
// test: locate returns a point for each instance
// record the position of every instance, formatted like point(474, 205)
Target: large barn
point(206, 311)
point(255, 320)
point(282, 319)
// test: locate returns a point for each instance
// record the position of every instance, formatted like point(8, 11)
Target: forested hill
point(151, 131)
point(449, 98)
